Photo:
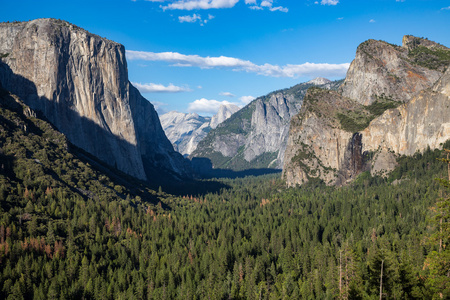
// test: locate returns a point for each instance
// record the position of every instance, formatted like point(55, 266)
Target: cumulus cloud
point(265, 4)
point(206, 106)
point(200, 4)
point(329, 2)
point(194, 18)
point(189, 19)
point(227, 94)
point(246, 99)
point(446, 8)
point(159, 88)
point(211, 106)
point(236, 64)
point(372, 21)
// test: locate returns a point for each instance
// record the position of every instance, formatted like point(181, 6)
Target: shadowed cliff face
point(80, 82)
point(355, 161)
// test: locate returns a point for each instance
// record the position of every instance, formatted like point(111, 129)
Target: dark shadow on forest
point(204, 169)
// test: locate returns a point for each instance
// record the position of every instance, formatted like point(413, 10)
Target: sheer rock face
point(80, 82)
point(421, 123)
point(384, 70)
point(256, 136)
point(319, 147)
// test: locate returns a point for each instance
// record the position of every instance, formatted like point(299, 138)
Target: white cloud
point(206, 106)
point(159, 88)
point(246, 99)
point(236, 64)
point(329, 2)
point(341, 18)
point(280, 8)
point(194, 18)
point(372, 21)
point(446, 8)
point(201, 4)
point(227, 94)
point(189, 19)
point(265, 4)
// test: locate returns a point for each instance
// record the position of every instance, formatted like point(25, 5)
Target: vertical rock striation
point(412, 127)
point(79, 81)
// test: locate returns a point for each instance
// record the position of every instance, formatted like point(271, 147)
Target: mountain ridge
point(186, 130)
point(385, 108)
point(255, 136)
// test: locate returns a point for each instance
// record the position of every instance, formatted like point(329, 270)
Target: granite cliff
point(394, 101)
point(410, 128)
point(79, 81)
point(381, 69)
point(186, 130)
point(256, 136)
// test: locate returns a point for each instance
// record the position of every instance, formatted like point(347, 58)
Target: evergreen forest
point(70, 228)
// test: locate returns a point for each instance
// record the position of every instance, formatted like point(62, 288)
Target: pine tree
point(438, 262)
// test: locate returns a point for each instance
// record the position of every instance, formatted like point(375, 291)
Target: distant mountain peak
point(186, 130)
point(225, 111)
point(319, 81)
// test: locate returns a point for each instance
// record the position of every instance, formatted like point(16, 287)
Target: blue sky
point(192, 55)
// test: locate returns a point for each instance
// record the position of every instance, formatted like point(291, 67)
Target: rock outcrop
point(186, 130)
point(394, 101)
point(385, 70)
point(79, 81)
point(256, 136)
point(318, 145)
point(412, 127)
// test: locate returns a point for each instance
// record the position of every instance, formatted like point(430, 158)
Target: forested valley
point(71, 231)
